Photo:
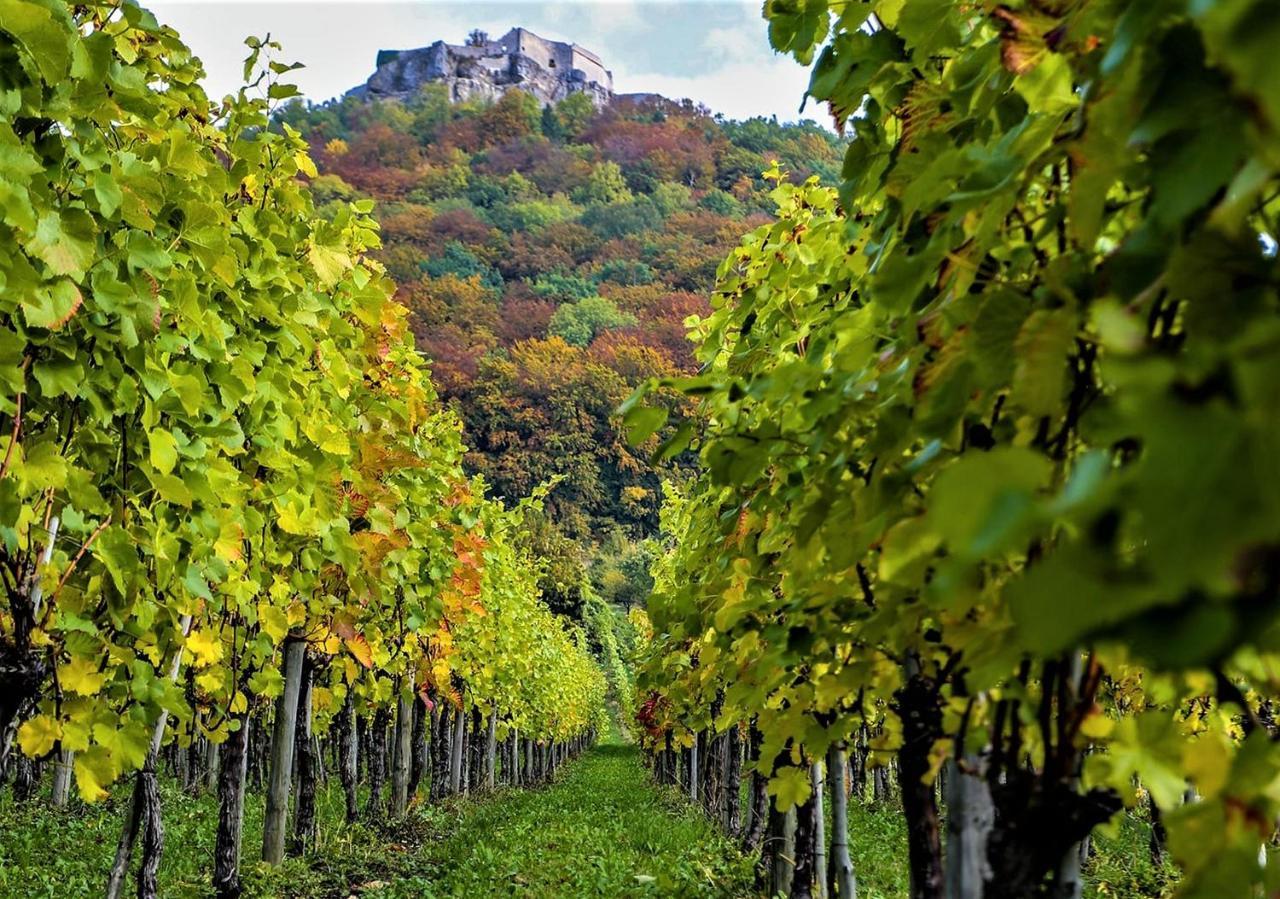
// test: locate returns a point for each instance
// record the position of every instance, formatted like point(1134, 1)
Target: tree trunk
point(63, 760)
point(418, 769)
point(1041, 816)
point(304, 824)
point(152, 832)
point(140, 808)
point(211, 753)
point(758, 798)
point(706, 764)
point(231, 782)
point(1068, 882)
point(258, 748)
point(693, 773)
point(401, 761)
point(513, 770)
point(439, 752)
point(26, 778)
point(456, 751)
point(275, 819)
point(804, 857)
point(733, 783)
point(858, 766)
point(970, 815)
point(881, 793)
point(475, 756)
point(377, 764)
point(779, 850)
point(840, 880)
point(194, 780)
point(819, 830)
point(349, 761)
point(918, 707)
point(491, 753)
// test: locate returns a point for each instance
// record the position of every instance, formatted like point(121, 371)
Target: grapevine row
point(990, 454)
point(232, 504)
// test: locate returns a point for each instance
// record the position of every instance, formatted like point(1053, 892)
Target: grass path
point(601, 830)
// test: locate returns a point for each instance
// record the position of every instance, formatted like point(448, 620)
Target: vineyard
point(238, 541)
point(966, 572)
point(987, 508)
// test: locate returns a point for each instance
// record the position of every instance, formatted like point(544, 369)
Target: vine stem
point(79, 555)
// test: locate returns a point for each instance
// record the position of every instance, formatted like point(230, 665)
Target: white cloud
point(734, 42)
point(593, 25)
point(739, 90)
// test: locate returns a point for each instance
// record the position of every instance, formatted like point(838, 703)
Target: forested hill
point(549, 257)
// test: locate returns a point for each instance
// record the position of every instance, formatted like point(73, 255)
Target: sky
point(711, 51)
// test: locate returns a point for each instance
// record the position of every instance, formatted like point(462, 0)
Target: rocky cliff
point(486, 69)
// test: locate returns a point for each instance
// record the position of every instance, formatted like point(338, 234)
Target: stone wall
point(591, 66)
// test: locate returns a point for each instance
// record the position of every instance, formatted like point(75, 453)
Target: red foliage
point(460, 225)
point(454, 361)
point(631, 353)
point(679, 149)
point(529, 257)
point(524, 317)
point(380, 145)
point(412, 224)
point(650, 713)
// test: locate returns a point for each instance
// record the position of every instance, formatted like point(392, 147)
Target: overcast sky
point(716, 53)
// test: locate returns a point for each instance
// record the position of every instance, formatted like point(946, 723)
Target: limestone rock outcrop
point(486, 69)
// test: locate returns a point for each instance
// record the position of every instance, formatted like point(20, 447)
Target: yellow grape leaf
point(210, 681)
point(359, 647)
point(304, 163)
point(441, 673)
point(791, 786)
point(330, 264)
point(322, 699)
point(291, 521)
point(275, 624)
point(37, 735)
point(76, 729)
point(126, 747)
point(81, 675)
point(1096, 725)
point(93, 770)
point(205, 647)
point(229, 545)
point(1207, 762)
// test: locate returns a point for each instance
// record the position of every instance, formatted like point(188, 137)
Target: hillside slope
point(550, 257)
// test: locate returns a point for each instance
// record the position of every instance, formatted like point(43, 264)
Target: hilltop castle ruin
point(486, 69)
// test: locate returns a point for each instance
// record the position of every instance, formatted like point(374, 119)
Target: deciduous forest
point(431, 496)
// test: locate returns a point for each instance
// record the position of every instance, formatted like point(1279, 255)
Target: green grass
point(1120, 866)
point(601, 830)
